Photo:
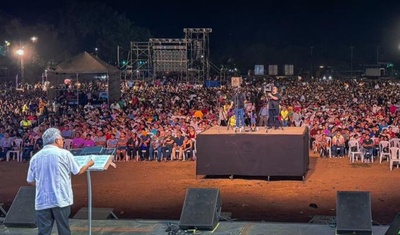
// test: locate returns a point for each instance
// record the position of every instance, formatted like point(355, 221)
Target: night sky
point(334, 23)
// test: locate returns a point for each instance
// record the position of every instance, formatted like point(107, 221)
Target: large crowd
point(160, 120)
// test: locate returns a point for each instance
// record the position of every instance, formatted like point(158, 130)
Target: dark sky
point(246, 18)
point(326, 23)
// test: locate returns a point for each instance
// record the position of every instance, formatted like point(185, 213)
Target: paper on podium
point(101, 162)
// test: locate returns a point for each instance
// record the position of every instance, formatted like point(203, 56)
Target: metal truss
point(198, 53)
point(139, 63)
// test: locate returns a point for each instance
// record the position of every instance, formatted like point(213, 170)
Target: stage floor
point(157, 227)
point(260, 131)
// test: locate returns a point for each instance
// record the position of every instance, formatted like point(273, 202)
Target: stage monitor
point(76, 152)
point(91, 150)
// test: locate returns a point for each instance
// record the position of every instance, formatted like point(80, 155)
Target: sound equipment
point(97, 213)
point(394, 228)
point(201, 209)
point(22, 210)
point(353, 213)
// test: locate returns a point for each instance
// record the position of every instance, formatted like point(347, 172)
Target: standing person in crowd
point(263, 114)
point(50, 171)
point(274, 99)
point(238, 102)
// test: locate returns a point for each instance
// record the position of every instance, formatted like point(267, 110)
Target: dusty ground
point(156, 190)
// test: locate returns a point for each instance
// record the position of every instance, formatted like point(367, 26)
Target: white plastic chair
point(394, 157)
point(354, 153)
point(67, 144)
point(382, 145)
point(329, 147)
point(16, 150)
point(394, 142)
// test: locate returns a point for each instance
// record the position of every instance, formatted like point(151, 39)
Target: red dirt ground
point(156, 190)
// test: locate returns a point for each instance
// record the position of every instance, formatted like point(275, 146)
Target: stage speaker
point(22, 210)
point(201, 209)
point(394, 228)
point(353, 213)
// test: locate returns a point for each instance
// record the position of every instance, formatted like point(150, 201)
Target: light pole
point(20, 53)
point(351, 60)
point(312, 58)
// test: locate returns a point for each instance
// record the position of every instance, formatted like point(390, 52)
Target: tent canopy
point(84, 63)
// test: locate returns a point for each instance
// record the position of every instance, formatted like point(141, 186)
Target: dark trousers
point(27, 152)
point(45, 220)
point(132, 151)
point(273, 118)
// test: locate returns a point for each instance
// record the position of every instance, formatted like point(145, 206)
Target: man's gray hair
point(50, 136)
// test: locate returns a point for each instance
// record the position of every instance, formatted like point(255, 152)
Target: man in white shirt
point(50, 171)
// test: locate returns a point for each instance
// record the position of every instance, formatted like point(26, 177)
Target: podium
point(101, 163)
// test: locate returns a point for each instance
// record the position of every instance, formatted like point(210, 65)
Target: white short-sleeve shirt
point(51, 170)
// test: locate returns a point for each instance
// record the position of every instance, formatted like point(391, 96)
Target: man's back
point(50, 168)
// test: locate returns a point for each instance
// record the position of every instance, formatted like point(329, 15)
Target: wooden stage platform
point(260, 131)
point(274, 153)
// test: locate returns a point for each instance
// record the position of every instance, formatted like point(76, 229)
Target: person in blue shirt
point(50, 171)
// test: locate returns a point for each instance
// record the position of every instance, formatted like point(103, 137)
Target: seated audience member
point(178, 146)
point(134, 145)
point(188, 147)
point(100, 139)
point(168, 145)
point(145, 140)
point(88, 142)
point(28, 145)
point(156, 144)
point(367, 147)
point(338, 144)
point(77, 141)
point(122, 146)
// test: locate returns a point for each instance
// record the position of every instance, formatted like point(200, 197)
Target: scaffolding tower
point(185, 58)
point(139, 63)
point(198, 40)
point(169, 56)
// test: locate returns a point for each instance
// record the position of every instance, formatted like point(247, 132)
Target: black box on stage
point(201, 209)
point(353, 213)
point(22, 210)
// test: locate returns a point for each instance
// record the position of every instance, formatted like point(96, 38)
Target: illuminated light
point(96, 49)
point(20, 52)
point(7, 43)
point(34, 39)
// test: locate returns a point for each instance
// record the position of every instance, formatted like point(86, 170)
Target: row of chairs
point(394, 142)
point(68, 145)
